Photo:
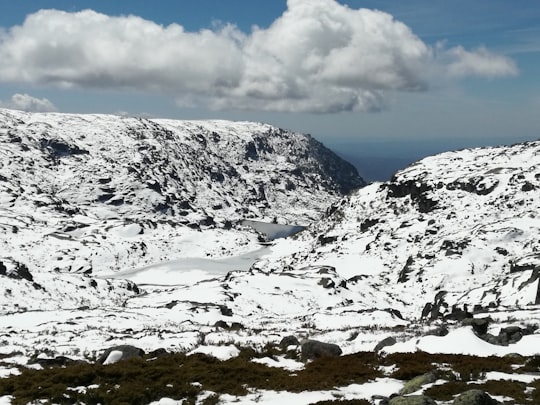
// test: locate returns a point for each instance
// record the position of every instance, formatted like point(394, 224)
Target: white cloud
point(25, 102)
point(459, 62)
point(319, 56)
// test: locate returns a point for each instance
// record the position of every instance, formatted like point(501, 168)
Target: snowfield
point(160, 234)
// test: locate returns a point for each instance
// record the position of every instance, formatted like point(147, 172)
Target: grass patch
point(410, 365)
point(512, 389)
point(140, 381)
point(177, 376)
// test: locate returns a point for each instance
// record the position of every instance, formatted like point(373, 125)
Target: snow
point(281, 362)
point(497, 375)
point(381, 386)
point(464, 341)
point(179, 208)
point(219, 352)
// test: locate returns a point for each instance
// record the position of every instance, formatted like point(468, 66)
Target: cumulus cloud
point(25, 102)
point(319, 56)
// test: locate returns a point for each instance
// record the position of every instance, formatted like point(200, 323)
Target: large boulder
point(412, 400)
point(288, 341)
point(313, 349)
point(389, 341)
point(119, 353)
point(417, 382)
point(479, 325)
point(474, 397)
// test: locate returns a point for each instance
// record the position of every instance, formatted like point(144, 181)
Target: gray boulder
point(313, 349)
point(412, 400)
point(479, 325)
point(119, 353)
point(289, 341)
point(389, 341)
point(417, 382)
point(474, 397)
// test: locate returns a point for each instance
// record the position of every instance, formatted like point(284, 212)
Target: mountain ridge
point(75, 177)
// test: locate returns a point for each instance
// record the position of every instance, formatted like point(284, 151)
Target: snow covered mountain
point(124, 231)
point(456, 231)
point(91, 193)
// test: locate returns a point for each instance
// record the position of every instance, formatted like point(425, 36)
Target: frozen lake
point(190, 270)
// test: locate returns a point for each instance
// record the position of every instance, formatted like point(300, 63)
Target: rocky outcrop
point(389, 341)
point(412, 400)
point(119, 353)
point(418, 382)
point(474, 397)
point(313, 349)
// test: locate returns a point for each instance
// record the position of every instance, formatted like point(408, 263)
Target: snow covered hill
point(454, 231)
point(91, 193)
point(124, 231)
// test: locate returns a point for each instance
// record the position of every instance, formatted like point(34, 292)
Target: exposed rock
point(289, 341)
point(58, 361)
point(412, 400)
point(439, 331)
point(313, 349)
point(389, 341)
point(225, 311)
point(119, 353)
point(18, 271)
point(474, 397)
point(479, 325)
point(158, 353)
point(221, 324)
point(417, 382)
point(458, 314)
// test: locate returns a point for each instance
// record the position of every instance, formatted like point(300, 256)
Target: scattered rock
point(58, 361)
point(18, 272)
point(458, 314)
point(221, 324)
point(225, 311)
point(439, 331)
point(389, 341)
point(412, 400)
point(508, 335)
point(474, 397)
point(313, 349)
point(479, 325)
point(158, 353)
point(119, 353)
point(289, 341)
point(417, 382)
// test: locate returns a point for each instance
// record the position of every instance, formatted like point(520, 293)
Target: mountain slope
point(101, 193)
point(455, 230)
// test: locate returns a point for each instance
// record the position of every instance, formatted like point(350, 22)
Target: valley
point(214, 241)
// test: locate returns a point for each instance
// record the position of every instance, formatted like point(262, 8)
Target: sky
point(378, 78)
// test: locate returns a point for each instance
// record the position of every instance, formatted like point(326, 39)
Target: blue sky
point(430, 75)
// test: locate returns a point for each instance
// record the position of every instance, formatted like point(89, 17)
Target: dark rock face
point(19, 272)
point(127, 351)
point(474, 397)
point(59, 148)
point(313, 349)
point(416, 190)
point(335, 167)
point(479, 325)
